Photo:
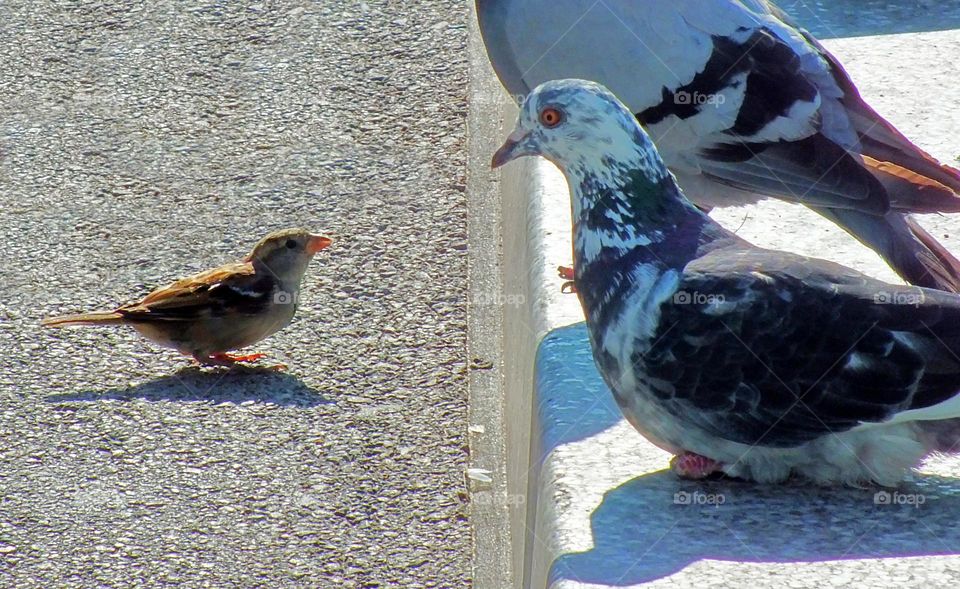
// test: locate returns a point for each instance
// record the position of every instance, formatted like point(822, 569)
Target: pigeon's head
point(580, 126)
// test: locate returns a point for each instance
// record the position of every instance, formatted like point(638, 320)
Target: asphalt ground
point(141, 141)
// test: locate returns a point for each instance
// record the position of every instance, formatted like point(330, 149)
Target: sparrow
point(754, 363)
point(743, 104)
point(227, 308)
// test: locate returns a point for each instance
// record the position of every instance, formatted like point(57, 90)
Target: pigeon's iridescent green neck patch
point(629, 207)
point(634, 227)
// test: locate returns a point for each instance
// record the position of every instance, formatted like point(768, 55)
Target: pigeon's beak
point(317, 243)
point(515, 146)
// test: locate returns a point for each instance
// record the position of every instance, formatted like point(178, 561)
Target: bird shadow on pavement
point(239, 384)
point(655, 525)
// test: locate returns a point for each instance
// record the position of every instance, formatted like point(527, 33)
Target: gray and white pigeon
point(751, 362)
point(743, 104)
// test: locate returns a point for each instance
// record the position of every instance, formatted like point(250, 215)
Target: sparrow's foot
point(223, 359)
point(568, 287)
point(240, 358)
point(231, 360)
point(693, 466)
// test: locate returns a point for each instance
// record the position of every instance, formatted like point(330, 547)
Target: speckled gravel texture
point(140, 141)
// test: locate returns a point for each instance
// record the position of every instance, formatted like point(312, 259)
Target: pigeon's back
point(669, 55)
point(533, 41)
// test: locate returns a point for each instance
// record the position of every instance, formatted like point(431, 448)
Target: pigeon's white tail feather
point(942, 411)
point(882, 455)
point(949, 409)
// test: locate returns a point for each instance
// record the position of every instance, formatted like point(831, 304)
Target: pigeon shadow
point(860, 18)
point(239, 384)
point(655, 525)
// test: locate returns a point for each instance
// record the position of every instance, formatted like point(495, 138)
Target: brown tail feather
point(95, 318)
point(907, 155)
point(913, 192)
point(882, 142)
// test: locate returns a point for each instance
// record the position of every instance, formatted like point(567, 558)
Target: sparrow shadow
point(655, 525)
point(239, 384)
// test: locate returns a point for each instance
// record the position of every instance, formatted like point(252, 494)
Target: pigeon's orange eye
point(551, 117)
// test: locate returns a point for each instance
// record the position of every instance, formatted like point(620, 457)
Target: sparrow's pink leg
point(566, 272)
point(223, 359)
point(214, 360)
point(231, 359)
point(693, 466)
point(238, 358)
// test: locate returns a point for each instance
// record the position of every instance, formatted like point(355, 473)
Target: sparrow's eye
point(550, 117)
point(291, 244)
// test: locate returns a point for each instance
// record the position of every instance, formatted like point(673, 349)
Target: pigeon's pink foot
point(693, 466)
point(568, 287)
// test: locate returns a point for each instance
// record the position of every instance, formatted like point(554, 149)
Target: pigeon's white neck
point(621, 204)
point(632, 225)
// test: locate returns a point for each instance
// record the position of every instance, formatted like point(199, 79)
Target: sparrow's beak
point(317, 243)
point(515, 146)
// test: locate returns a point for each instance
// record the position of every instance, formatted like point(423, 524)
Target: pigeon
point(740, 361)
point(743, 104)
point(230, 307)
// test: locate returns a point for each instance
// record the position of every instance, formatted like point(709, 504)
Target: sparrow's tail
point(912, 252)
point(95, 318)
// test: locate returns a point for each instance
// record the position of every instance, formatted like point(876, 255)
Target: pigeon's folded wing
point(776, 350)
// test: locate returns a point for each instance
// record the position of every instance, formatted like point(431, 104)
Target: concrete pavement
point(142, 141)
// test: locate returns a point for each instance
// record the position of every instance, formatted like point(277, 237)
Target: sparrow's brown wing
point(229, 289)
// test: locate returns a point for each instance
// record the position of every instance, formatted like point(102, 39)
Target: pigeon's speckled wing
point(778, 350)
